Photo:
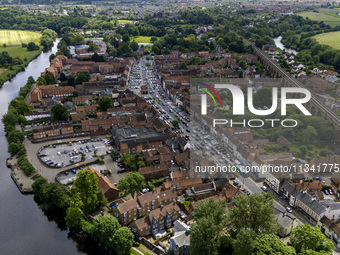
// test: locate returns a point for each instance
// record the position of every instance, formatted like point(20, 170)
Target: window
point(153, 204)
point(139, 212)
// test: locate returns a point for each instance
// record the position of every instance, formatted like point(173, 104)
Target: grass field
point(330, 18)
point(141, 39)
point(124, 21)
point(332, 39)
point(17, 37)
point(13, 40)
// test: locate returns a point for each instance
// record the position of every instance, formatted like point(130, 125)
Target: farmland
point(17, 37)
point(11, 41)
point(332, 39)
point(329, 17)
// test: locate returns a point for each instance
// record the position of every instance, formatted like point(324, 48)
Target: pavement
point(23, 181)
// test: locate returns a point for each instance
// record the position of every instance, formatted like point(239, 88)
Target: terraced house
point(128, 211)
point(156, 220)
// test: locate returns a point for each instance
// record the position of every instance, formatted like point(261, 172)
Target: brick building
point(154, 172)
point(46, 91)
point(156, 220)
point(127, 211)
point(50, 131)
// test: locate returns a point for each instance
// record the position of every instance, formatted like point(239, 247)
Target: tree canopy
point(132, 183)
point(305, 239)
point(254, 212)
point(59, 112)
point(85, 192)
point(209, 222)
point(105, 103)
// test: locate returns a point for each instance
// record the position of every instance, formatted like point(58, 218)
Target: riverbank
point(27, 57)
point(23, 182)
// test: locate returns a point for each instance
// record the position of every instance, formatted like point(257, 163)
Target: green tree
point(123, 241)
point(75, 93)
point(309, 133)
point(23, 107)
point(85, 192)
point(254, 212)
point(54, 195)
point(263, 97)
point(37, 186)
point(244, 243)
point(10, 118)
point(175, 123)
point(51, 57)
point(126, 38)
point(15, 136)
point(82, 77)
point(303, 151)
point(74, 217)
point(206, 231)
point(13, 148)
point(271, 244)
point(183, 65)
point(104, 228)
point(134, 46)
point(305, 237)
point(21, 119)
point(105, 103)
point(132, 183)
point(41, 81)
point(92, 47)
point(49, 78)
point(59, 112)
point(31, 46)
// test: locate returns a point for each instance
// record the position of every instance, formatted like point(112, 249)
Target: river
point(25, 228)
point(279, 44)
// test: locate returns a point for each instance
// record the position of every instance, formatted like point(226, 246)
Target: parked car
point(330, 191)
point(264, 188)
point(289, 209)
point(113, 204)
point(326, 192)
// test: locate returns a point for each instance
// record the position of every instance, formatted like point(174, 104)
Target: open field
point(17, 37)
point(329, 18)
point(332, 39)
point(20, 52)
point(124, 21)
point(141, 39)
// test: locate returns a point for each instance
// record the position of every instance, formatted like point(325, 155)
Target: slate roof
point(314, 205)
point(283, 219)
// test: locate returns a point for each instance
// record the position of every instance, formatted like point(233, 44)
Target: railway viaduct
point(315, 105)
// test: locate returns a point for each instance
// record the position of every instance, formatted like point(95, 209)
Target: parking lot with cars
point(66, 154)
